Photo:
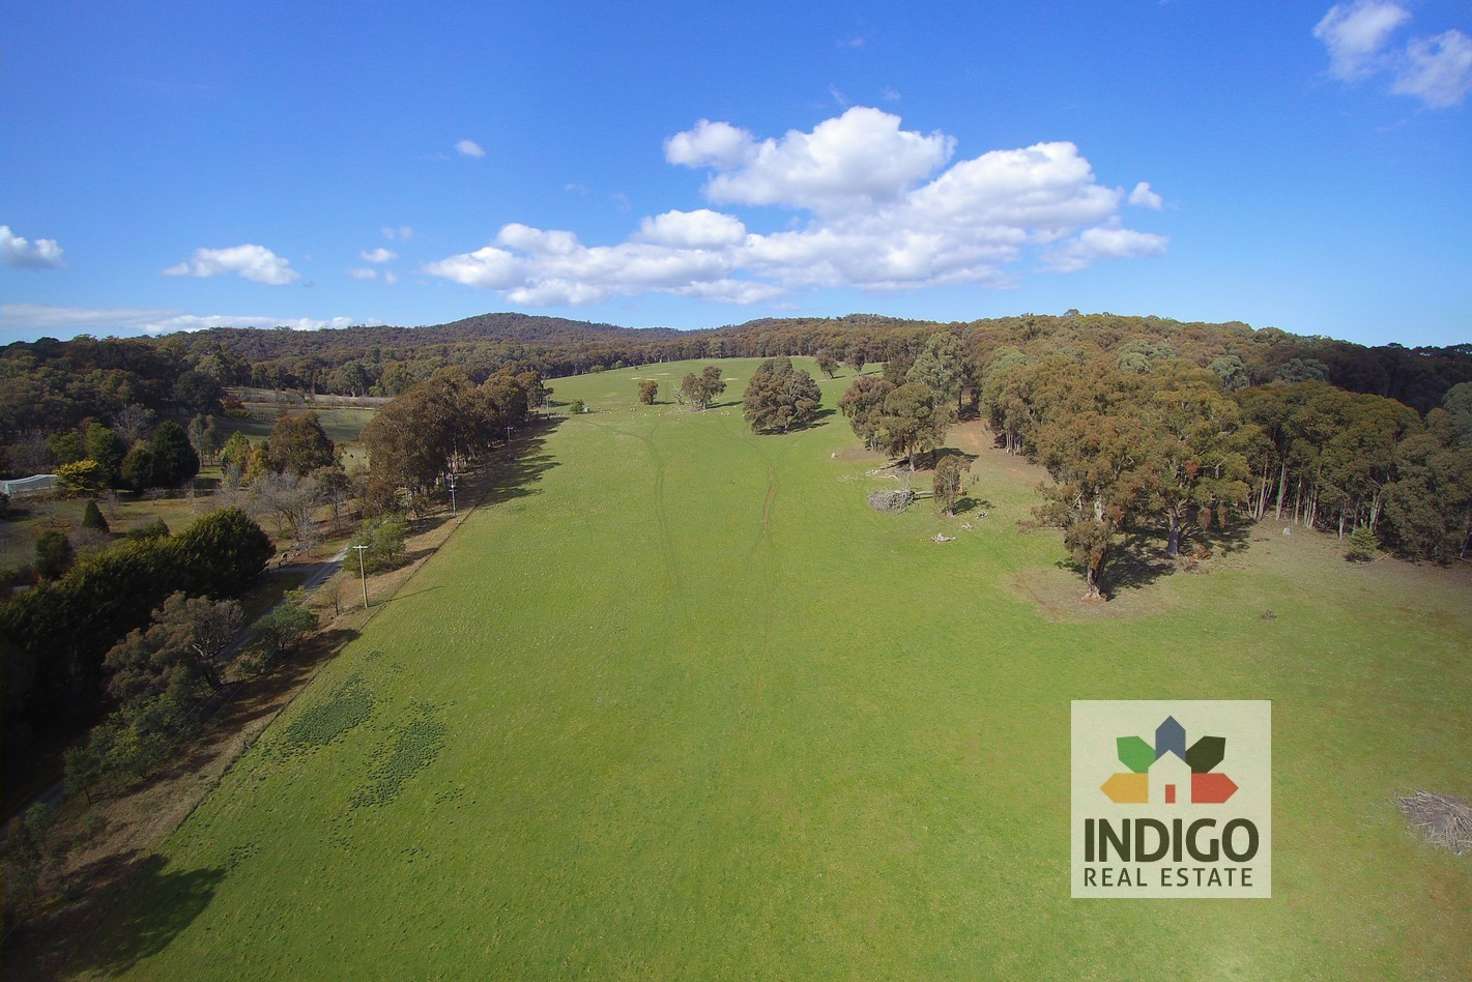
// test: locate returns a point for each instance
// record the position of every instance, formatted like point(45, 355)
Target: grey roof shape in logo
point(1170, 737)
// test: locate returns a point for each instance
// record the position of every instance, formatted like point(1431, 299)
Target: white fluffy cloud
point(710, 144)
point(469, 148)
point(363, 273)
point(44, 319)
point(18, 251)
point(1436, 69)
point(379, 255)
point(197, 322)
point(1146, 198)
point(1355, 34)
point(697, 229)
point(404, 232)
point(1104, 243)
point(251, 262)
point(860, 156)
point(874, 207)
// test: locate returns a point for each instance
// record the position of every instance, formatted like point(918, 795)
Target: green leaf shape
point(1135, 754)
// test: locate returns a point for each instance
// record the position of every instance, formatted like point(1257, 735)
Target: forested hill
point(255, 344)
point(386, 360)
point(48, 384)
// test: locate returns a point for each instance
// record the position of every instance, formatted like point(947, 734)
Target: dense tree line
point(387, 360)
point(48, 385)
point(1138, 436)
point(53, 638)
point(440, 425)
point(50, 388)
point(1176, 448)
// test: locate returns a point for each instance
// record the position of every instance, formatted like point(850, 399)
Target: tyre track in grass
point(770, 564)
point(661, 518)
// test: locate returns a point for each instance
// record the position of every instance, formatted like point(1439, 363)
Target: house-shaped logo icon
point(1169, 773)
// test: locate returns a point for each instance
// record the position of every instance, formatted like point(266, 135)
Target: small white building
point(1170, 780)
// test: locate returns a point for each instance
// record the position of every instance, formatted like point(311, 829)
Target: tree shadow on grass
point(507, 476)
point(1226, 537)
point(820, 418)
point(930, 458)
point(406, 596)
point(1135, 562)
point(132, 908)
point(429, 523)
point(967, 504)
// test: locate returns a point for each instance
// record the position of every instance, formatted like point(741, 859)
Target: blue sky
point(169, 166)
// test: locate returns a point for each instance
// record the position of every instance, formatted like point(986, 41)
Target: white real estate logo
point(1171, 798)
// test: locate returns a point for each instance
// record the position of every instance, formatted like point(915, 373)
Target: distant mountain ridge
point(529, 328)
point(513, 326)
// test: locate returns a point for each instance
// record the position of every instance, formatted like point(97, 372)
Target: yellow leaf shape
point(1125, 788)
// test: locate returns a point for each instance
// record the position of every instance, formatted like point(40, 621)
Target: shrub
point(131, 742)
point(648, 391)
point(578, 406)
point(85, 476)
point(65, 446)
point(137, 467)
point(281, 630)
point(174, 458)
point(32, 856)
point(92, 518)
point(53, 638)
point(155, 529)
point(384, 538)
point(104, 446)
point(54, 555)
point(1362, 545)
point(950, 481)
point(236, 452)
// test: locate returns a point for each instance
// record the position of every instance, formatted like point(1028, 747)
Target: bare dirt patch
point(854, 455)
point(1058, 595)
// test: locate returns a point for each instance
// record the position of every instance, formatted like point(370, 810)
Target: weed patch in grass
point(413, 748)
point(349, 705)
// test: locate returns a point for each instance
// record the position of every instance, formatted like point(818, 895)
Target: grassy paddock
point(32, 516)
point(679, 704)
point(342, 424)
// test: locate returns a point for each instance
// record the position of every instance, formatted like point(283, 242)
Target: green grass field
point(342, 424)
point(678, 704)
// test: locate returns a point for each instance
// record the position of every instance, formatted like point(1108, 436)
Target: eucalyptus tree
point(1195, 453)
point(779, 397)
point(941, 365)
